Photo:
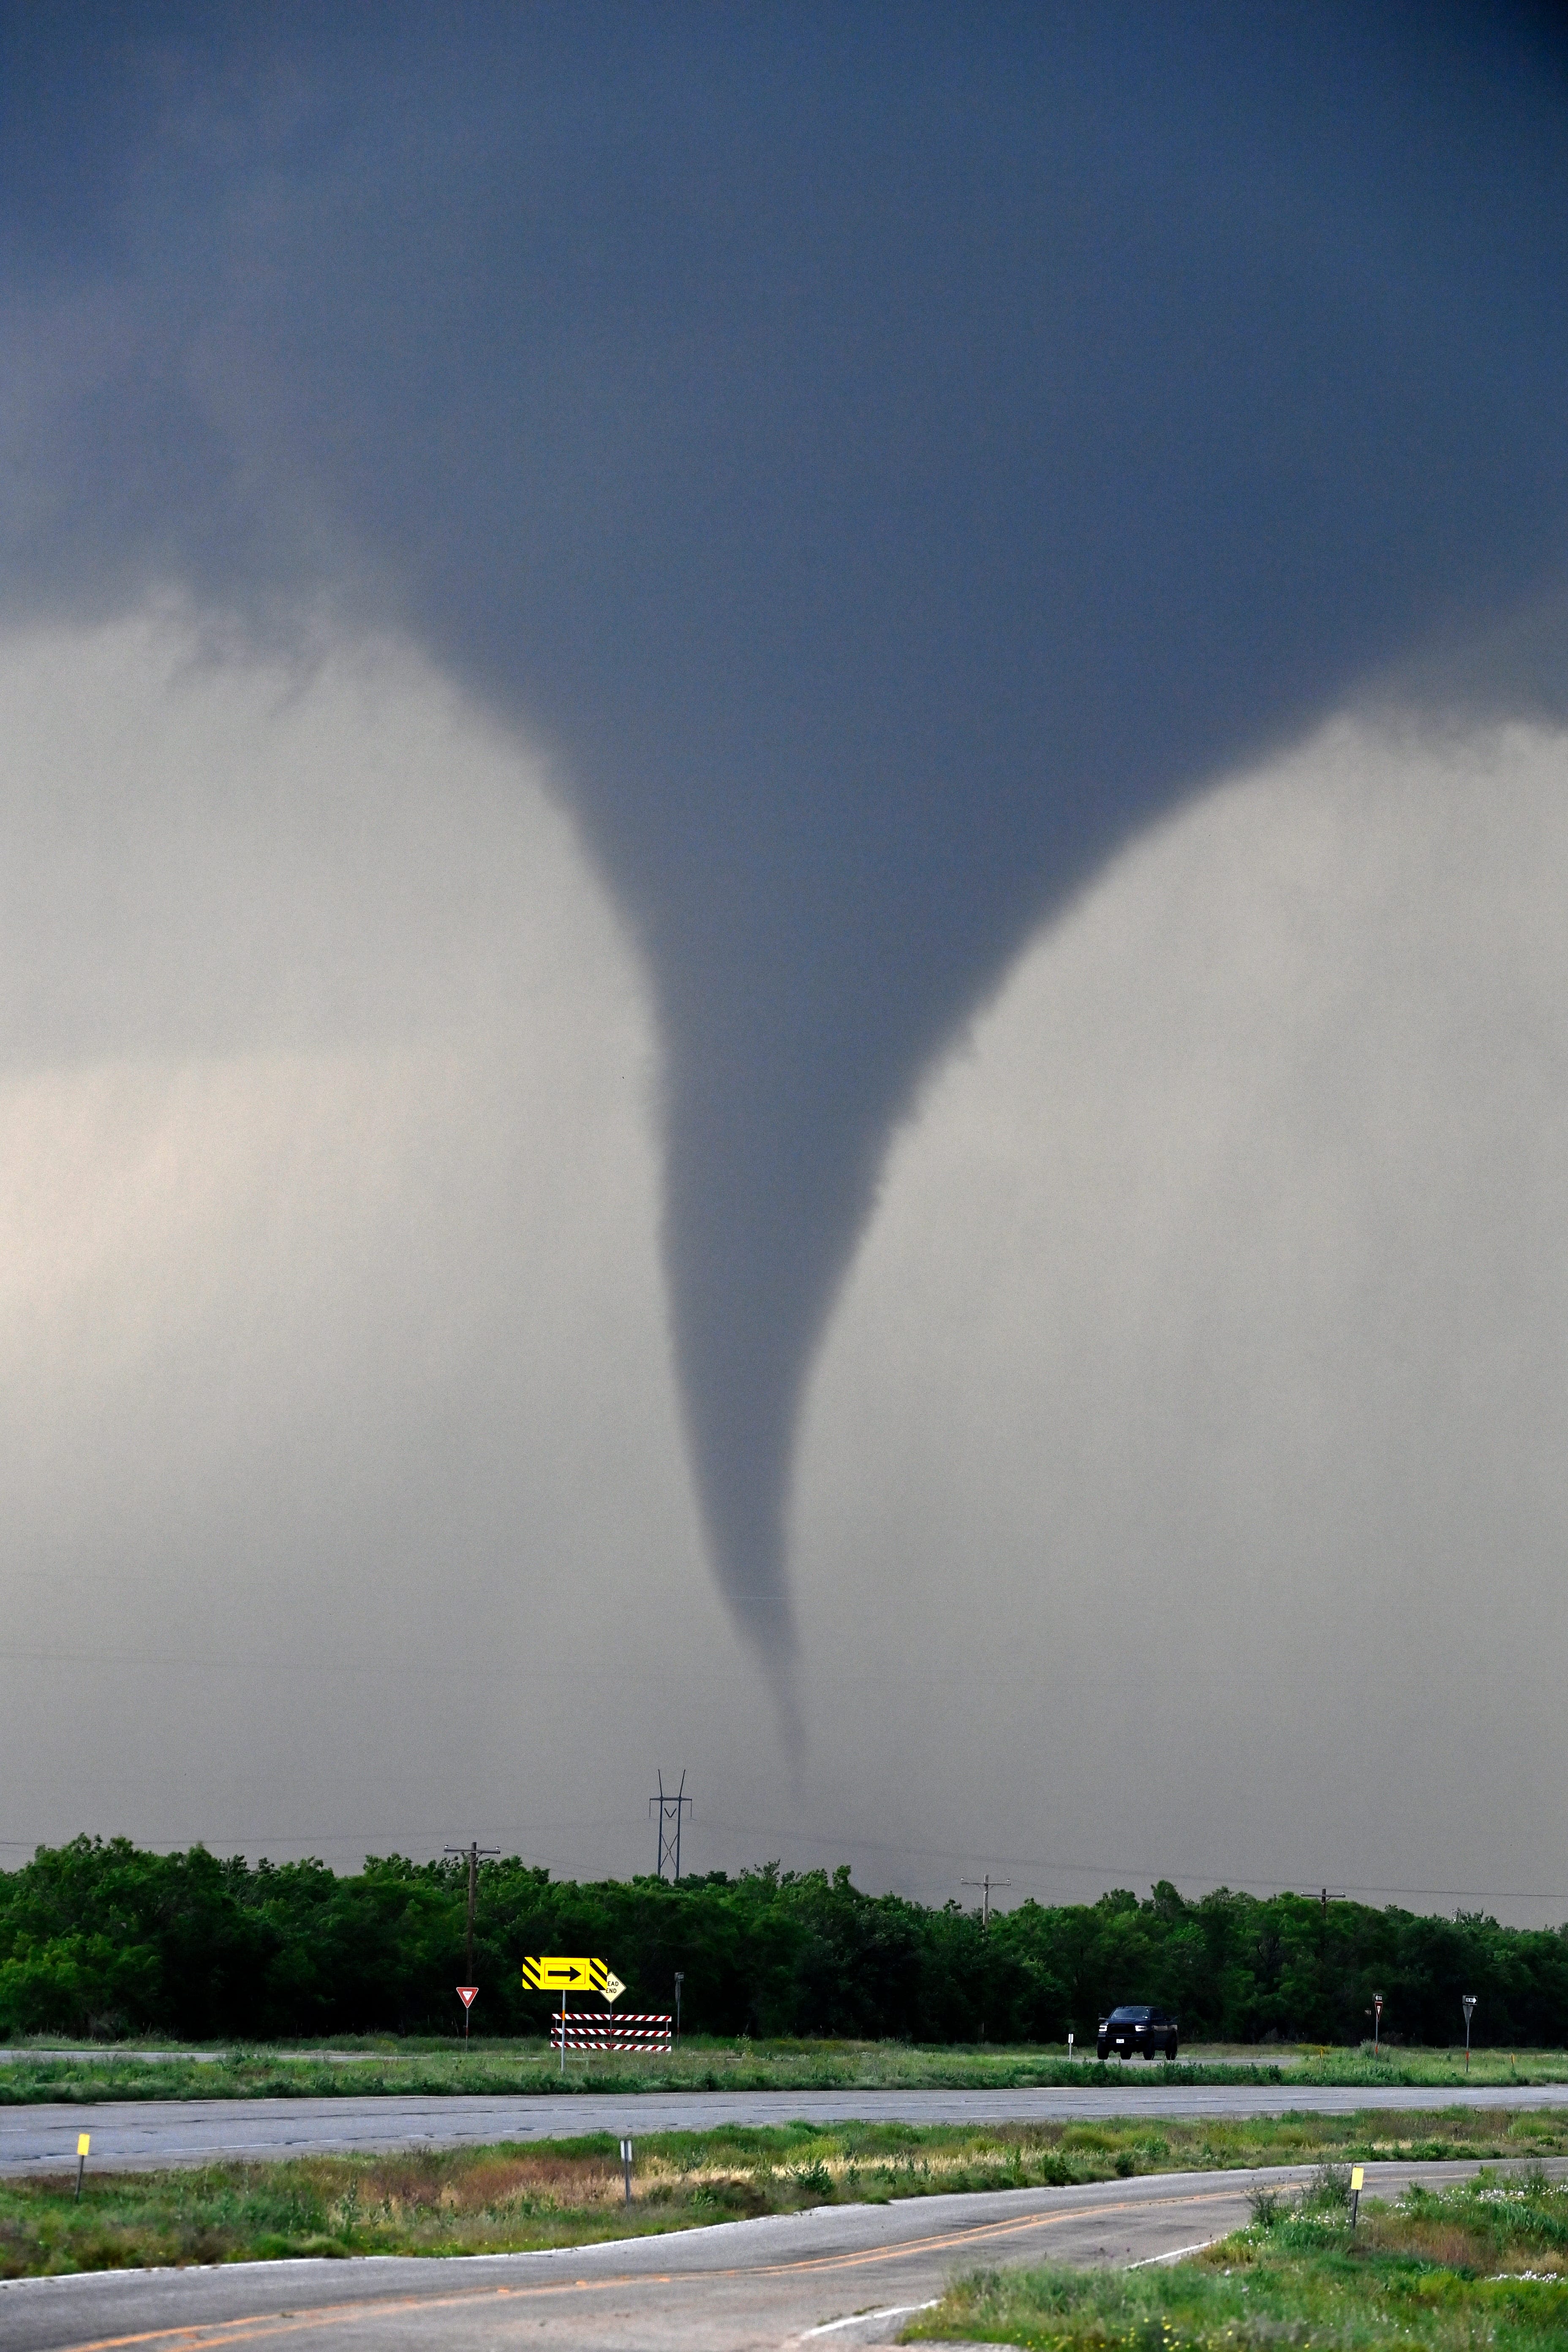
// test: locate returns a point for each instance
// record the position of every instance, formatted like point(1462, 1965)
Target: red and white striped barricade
point(601, 2029)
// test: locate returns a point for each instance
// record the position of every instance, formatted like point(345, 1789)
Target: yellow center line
point(201, 2337)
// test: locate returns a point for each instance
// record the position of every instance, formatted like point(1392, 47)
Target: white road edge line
point(864, 2318)
point(1174, 2255)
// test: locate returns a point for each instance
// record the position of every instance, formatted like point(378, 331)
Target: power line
point(383, 1841)
point(1284, 1884)
point(330, 1667)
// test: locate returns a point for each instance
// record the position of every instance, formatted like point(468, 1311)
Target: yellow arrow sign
point(553, 1974)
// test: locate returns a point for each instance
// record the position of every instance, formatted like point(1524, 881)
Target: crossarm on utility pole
point(471, 1853)
point(988, 1882)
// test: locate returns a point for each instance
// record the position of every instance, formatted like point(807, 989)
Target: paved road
point(146, 2134)
point(746, 2287)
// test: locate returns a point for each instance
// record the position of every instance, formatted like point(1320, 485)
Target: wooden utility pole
point(988, 1882)
point(473, 1853)
point(986, 1885)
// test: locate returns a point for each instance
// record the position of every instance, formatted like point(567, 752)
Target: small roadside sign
point(467, 1995)
point(1357, 2176)
point(83, 2142)
point(611, 1988)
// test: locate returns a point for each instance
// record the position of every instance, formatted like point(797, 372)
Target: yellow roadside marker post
point(1357, 2176)
point(83, 2140)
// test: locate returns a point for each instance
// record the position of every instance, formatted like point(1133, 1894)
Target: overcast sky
point(784, 818)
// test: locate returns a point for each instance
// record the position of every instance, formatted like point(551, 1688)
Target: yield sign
point(467, 1995)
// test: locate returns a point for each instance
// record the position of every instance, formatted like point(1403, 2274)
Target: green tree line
point(103, 1939)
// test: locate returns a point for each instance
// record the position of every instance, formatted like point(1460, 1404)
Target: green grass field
point(136, 2071)
point(1485, 2264)
point(566, 2192)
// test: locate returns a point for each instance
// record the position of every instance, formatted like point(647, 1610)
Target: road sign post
point(1468, 2003)
point(1357, 2178)
point(83, 2141)
point(680, 1980)
point(627, 2154)
point(467, 1995)
point(1376, 2022)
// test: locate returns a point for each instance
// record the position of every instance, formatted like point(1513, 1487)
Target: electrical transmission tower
point(669, 1810)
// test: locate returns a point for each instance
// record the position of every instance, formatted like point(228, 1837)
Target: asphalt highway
point(843, 2274)
point(150, 2134)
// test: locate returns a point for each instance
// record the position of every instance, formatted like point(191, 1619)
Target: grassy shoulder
point(1484, 2264)
point(349, 2068)
point(511, 2198)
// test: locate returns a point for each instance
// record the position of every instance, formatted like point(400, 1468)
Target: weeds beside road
point(570, 2193)
point(131, 2072)
point(1483, 2264)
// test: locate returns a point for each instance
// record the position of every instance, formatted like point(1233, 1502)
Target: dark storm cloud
point(888, 454)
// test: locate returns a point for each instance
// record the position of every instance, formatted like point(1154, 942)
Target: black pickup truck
point(1134, 2031)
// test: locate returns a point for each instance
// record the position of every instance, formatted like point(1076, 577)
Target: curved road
point(792, 2280)
point(154, 2133)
